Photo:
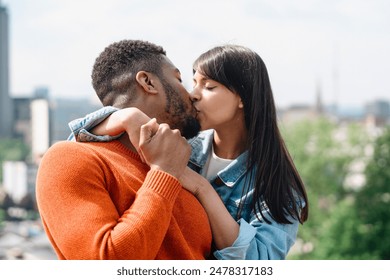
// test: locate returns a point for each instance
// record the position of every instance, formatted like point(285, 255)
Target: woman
point(253, 194)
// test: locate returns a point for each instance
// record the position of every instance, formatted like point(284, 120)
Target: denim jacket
point(257, 239)
point(80, 127)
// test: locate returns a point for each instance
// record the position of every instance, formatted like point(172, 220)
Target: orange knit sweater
point(99, 201)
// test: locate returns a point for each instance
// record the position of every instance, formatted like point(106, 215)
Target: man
point(100, 200)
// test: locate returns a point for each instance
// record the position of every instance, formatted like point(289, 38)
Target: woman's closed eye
point(209, 87)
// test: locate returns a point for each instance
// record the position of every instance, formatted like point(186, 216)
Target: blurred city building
point(64, 110)
point(40, 128)
point(15, 180)
point(39, 122)
point(299, 112)
point(377, 113)
point(374, 115)
point(5, 100)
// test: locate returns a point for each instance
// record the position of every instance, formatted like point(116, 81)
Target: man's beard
point(187, 124)
point(191, 127)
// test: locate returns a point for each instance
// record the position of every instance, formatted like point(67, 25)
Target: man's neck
point(124, 139)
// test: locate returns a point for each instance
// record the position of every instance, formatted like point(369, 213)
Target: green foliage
point(374, 200)
point(340, 234)
point(323, 152)
point(2, 218)
point(12, 150)
point(358, 227)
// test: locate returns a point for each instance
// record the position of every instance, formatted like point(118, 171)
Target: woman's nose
point(194, 95)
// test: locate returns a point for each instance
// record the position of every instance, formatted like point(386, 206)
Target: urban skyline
point(339, 46)
point(8, 122)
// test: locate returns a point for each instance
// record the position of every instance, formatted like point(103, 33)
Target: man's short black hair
point(113, 74)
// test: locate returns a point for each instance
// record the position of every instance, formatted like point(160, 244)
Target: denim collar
point(201, 147)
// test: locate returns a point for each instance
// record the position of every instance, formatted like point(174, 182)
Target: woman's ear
point(147, 81)
point(240, 104)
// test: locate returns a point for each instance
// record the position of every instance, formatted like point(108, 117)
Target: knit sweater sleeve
point(79, 214)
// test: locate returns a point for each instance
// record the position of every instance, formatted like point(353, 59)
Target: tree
point(12, 149)
point(373, 202)
point(359, 226)
point(323, 152)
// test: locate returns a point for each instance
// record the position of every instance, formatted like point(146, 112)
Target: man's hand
point(163, 148)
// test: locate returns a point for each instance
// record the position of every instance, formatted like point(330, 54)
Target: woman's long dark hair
point(276, 180)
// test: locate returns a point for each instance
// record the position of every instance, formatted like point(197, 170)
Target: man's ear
point(147, 81)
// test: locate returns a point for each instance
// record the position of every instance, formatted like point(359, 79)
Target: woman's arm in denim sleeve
point(258, 240)
point(80, 128)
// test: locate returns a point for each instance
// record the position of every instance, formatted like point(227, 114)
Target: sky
point(340, 48)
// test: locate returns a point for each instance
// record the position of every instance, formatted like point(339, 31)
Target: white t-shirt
point(214, 164)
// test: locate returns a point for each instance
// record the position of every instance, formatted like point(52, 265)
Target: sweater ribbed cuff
point(163, 183)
